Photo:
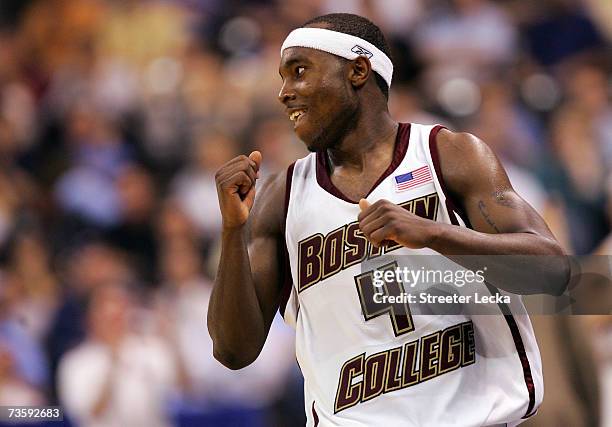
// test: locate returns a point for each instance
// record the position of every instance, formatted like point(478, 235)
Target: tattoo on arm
point(486, 216)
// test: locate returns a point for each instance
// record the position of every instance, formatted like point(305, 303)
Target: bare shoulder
point(267, 215)
point(460, 143)
point(466, 161)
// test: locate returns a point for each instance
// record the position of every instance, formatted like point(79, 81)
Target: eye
point(299, 71)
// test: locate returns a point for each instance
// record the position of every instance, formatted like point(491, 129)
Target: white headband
point(341, 44)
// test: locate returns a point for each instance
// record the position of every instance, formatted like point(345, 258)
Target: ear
point(360, 71)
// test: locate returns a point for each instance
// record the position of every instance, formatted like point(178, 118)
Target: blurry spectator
point(588, 87)
point(182, 300)
point(166, 137)
point(87, 190)
point(464, 40)
point(18, 193)
point(138, 32)
point(221, 397)
point(57, 34)
point(88, 267)
point(508, 128)
point(117, 376)
point(134, 232)
point(142, 43)
point(202, 71)
point(396, 17)
point(17, 107)
point(31, 274)
point(558, 29)
point(23, 350)
point(571, 376)
point(406, 106)
point(174, 224)
point(578, 141)
point(276, 140)
point(296, 12)
point(14, 390)
point(195, 188)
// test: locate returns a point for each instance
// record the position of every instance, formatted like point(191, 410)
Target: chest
point(356, 186)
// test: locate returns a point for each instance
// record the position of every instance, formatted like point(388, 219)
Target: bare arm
point(502, 222)
point(247, 287)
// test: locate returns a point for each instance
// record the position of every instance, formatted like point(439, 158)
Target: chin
point(314, 141)
point(315, 145)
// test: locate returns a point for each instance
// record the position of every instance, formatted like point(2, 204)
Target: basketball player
point(299, 246)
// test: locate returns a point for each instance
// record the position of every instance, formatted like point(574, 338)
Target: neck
point(373, 137)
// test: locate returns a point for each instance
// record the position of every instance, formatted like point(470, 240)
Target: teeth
point(295, 115)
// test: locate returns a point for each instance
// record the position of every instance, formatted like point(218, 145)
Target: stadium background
point(115, 114)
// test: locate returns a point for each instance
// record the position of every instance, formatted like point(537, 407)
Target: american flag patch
point(413, 178)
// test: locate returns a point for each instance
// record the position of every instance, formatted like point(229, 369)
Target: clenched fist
point(384, 222)
point(236, 188)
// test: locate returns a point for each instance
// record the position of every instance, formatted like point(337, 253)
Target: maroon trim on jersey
point(287, 283)
point(401, 146)
point(520, 349)
point(451, 206)
point(315, 416)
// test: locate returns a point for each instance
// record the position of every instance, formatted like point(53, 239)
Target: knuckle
point(225, 184)
point(245, 177)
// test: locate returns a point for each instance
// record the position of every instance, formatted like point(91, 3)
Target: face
point(109, 313)
point(317, 95)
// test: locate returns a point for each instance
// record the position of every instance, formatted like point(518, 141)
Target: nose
point(286, 93)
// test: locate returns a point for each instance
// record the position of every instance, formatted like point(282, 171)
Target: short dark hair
point(361, 27)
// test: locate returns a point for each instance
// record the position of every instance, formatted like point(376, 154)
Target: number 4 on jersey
point(401, 318)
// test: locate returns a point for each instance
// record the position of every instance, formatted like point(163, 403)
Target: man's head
point(357, 26)
point(329, 76)
point(109, 311)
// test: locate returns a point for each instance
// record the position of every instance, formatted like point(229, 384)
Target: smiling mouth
point(296, 115)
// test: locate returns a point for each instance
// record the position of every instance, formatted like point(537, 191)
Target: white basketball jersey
point(364, 367)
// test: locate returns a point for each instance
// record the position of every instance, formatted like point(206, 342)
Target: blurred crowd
point(115, 115)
